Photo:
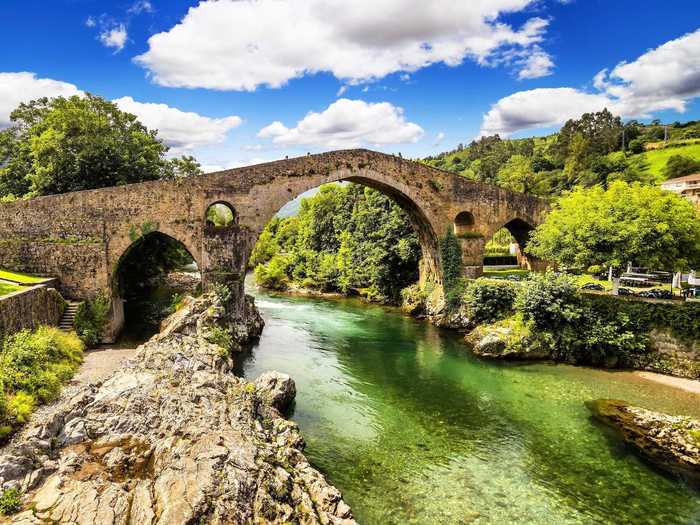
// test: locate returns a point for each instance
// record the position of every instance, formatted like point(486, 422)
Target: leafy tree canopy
point(344, 237)
point(69, 144)
point(626, 222)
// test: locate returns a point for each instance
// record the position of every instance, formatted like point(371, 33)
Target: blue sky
point(239, 82)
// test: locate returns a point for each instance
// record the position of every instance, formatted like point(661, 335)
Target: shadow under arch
point(141, 290)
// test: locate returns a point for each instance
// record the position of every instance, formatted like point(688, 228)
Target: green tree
point(69, 144)
point(680, 166)
point(626, 222)
point(181, 167)
point(344, 237)
point(601, 130)
point(517, 175)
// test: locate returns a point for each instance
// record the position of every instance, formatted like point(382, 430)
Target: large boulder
point(510, 339)
point(670, 442)
point(277, 389)
point(172, 437)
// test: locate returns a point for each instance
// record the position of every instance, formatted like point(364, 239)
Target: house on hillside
point(688, 187)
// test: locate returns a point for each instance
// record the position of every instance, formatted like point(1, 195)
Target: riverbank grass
point(33, 366)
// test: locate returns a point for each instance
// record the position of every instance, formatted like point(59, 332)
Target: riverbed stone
point(672, 443)
point(172, 437)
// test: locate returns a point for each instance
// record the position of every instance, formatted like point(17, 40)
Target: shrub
point(221, 337)
point(91, 318)
point(10, 501)
point(274, 274)
point(488, 301)
point(549, 300)
point(33, 364)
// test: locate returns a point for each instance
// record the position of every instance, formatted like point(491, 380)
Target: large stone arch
point(414, 206)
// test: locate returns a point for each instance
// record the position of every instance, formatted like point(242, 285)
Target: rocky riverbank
point(172, 437)
point(672, 443)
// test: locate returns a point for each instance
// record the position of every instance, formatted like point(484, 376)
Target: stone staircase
point(68, 319)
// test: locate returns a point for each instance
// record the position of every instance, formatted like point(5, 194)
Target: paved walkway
point(101, 362)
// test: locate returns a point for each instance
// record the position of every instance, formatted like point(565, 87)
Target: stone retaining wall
point(30, 308)
point(671, 355)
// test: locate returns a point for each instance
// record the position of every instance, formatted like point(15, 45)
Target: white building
point(688, 187)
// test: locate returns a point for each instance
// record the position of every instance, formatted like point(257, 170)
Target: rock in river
point(172, 437)
point(670, 442)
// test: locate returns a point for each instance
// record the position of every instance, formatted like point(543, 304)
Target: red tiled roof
point(688, 178)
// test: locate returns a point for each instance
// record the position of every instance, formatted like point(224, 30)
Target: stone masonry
point(81, 237)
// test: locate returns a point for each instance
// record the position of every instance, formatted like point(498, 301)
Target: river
point(412, 429)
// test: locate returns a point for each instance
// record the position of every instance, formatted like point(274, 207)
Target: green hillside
point(658, 158)
point(597, 148)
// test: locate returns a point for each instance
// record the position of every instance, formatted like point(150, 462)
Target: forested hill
point(595, 149)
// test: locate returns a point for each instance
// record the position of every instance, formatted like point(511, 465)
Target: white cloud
point(181, 130)
point(347, 124)
point(16, 88)
point(663, 78)
point(90, 22)
point(140, 6)
point(341, 90)
point(539, 108)
point(115, 37)
point(438, 139)
point(537, 64)
point(269, 42)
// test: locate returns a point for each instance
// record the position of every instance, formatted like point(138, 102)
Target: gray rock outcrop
point(174, 438)
point(672, 443)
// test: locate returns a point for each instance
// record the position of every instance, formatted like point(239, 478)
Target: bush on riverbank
point(579, 328)
point(488, 301)
point(33, 366)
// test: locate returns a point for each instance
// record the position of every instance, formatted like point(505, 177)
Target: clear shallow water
point(412, 429)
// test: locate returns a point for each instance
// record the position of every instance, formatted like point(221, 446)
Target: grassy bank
point(21, 278)
point(7, 288)
point(33, 366)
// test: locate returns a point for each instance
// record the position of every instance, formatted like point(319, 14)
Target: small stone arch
point(521, 230)
point(220, 214)
point(463, 223)
point(116, 287)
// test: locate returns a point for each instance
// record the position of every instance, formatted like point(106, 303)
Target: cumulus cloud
point(16, 88)
point(539, 108)
point(181, 130)
point(250, 43)
point(115, 37)
point(663, 78)
point(347, 124)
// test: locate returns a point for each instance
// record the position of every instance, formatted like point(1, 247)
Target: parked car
point(691, 292)
point(593, 286)
point(656, 293)
point(624, 291)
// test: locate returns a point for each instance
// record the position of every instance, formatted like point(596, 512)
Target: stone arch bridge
point(81, 237)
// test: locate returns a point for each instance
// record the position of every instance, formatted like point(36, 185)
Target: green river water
point(412, 429)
